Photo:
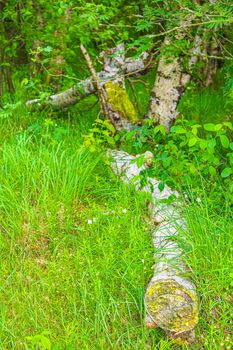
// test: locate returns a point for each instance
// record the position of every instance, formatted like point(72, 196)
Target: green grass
point(208, 247)
point(81, 283)
point(75, 248)
point(206, 106)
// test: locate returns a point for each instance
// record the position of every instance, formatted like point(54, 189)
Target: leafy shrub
point(190, 154)
point(99, 135)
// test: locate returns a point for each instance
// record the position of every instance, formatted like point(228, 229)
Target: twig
point(139, 81)
point(100, 90)
point(188, 26)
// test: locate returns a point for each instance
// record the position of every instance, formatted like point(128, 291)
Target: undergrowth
point(75, 246)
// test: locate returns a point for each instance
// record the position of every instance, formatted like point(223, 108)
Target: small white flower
point(89, 222)
point(94, 219)
point(143, 261)
point(124, 211)
point(198, 200)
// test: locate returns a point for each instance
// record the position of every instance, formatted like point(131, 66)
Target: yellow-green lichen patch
point(172, 306)
point(120, 101)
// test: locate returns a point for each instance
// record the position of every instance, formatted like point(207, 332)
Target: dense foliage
point(40, 39)
point(74, 244)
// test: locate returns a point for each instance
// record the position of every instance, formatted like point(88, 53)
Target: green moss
point(172, 306)
point(120, 101)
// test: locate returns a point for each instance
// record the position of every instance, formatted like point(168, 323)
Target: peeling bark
point(171, 299)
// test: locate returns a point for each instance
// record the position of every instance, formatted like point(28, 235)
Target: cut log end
point(173, 308)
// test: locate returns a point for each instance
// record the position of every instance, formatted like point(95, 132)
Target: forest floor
point(75, 248)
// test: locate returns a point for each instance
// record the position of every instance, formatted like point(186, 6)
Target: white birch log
point(171, 300)
point(114, 70)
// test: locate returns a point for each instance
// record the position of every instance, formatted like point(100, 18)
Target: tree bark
point(171, 81)
point(172, 77)
point(171, 300)
point(111, 79)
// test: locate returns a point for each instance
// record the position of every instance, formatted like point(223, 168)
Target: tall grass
point(209, 255)
point(73, 263)
point(76, 253)
point(206, 106)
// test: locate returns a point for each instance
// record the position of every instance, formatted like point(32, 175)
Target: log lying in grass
point(171, 299)
point(115, 68)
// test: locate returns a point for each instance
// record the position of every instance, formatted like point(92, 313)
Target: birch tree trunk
point(172, 77)
point(171, 81)
point(171, 300)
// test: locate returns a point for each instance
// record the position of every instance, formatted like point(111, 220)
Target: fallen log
point(115, 68)
point(171, 300)
point(114, 101)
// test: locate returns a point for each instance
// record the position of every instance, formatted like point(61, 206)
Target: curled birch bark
point(171, 300)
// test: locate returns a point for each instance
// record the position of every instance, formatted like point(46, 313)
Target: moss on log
point(120, 101)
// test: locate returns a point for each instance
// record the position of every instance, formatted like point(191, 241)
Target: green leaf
point(210, 127)
point(167, 162)
point(231, 146)
point(161, 186)
point(224, 141)
point(211, 144)
point(203, 144)
point(161, 129)
point(194, 129)
point(192, 141)
point(228, 125)
point(218, 127)
point(139, 161)
point(177, 129)
point(212, 171)
point(48, 49)
point(192, 169)
point(226, 172)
